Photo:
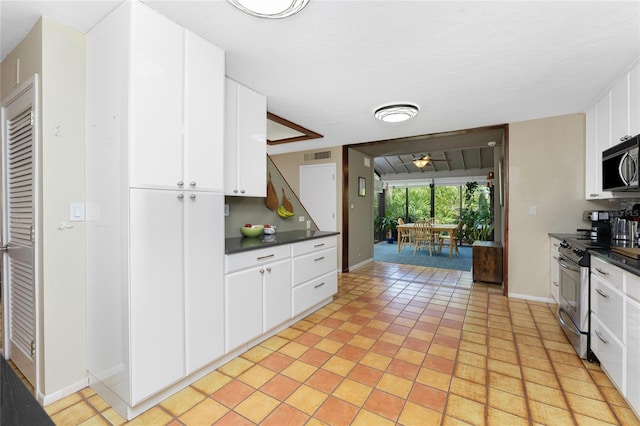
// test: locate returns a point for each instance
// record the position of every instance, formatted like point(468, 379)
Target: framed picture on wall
point(362, 187)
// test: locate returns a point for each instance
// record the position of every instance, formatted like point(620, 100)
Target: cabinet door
point(603, 124)
point(277, 294)
point(156, 289)
point(204, 288)
point(633, 354)
point(252, 142)
point(157, 47)
point(243, 306)
point(634, 100)
point(246, 141)
point(204, 114)
point(620, 110)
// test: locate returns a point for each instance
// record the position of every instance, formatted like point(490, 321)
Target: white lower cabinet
point(267, 288)
point(615, 326)
point(314, 272)
point(156, 306)
point(609, 350)
point(313, 292)
point(554, 267)
point(257, 293)
point(633, 354)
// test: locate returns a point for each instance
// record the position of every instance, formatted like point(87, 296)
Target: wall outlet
point(226, 209)
point(301, 219)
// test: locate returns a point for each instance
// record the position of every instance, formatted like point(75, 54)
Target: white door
point(318, 194)
point(204, 291)
point(19, 297)
point(157, 308)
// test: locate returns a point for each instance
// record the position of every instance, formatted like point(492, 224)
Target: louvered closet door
point(18, 222)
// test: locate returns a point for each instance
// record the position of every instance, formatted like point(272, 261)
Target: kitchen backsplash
point(243, 210)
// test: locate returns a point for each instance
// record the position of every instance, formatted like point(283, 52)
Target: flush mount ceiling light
point(272, 9)
point(396, 112)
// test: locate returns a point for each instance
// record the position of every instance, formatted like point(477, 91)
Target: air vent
point(317, 156)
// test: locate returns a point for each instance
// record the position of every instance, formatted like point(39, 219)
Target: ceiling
point(466, 64)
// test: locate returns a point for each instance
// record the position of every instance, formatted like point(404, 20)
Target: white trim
point(45, 400)
point(361, 264)
point(532, 298)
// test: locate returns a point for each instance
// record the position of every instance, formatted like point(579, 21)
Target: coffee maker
point(600, 225)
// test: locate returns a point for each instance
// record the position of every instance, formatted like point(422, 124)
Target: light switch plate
point(76, 212)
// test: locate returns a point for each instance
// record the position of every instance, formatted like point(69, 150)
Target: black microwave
point(620, 166)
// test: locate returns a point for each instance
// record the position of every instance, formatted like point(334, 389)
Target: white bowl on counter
point(270, 231)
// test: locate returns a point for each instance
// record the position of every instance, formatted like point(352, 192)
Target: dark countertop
point(563, 236)
point(240, 244)
point(627, 263)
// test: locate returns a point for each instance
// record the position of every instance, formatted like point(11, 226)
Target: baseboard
point(360, 265)
point(45, 400)
point(532, 298)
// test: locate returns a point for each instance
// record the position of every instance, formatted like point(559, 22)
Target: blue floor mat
point(385, 252)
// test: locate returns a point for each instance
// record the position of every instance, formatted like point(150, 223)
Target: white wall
point(546, 173)
point(56, 53)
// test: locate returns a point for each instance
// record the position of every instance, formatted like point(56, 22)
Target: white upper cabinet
point(245, 151)
point(204, 115)
point(176, 95)
point(634, 100)
point(615, 116)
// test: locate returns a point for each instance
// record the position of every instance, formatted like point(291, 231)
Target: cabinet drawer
point(248, 259)
point(608, 304)
point(313, 265)
point(607, 271)
point(307, 295)
point(609, 351)
point(314, 245)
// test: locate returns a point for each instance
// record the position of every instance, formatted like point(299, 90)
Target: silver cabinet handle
point(268, 269)
point(318, 285)
point(602, 272)
point(594, 195)
point(235, 191)
point(242, 191)
point(192, 196)
point(261, 270)
point(180, 196)
point(556, 283)
point(318, 245)
point(606, 342)
point(320, 258)
point(4, 248)
point(265, 257)
point(601, 293)
point(180, 183)
point(192, 184)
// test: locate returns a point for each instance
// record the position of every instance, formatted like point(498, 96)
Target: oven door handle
point(566, 266)
point(564, 324)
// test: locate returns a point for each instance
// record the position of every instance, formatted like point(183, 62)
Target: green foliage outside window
point(477, 215)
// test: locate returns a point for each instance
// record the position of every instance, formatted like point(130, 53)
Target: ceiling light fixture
point(420, 162)
point(396, 112)
point(272, 9)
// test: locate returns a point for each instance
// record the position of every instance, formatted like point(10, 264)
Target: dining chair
point(452, 239)
point(423, 236)
point(405, 236)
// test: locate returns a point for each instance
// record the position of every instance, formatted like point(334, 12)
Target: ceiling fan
point(423, 160)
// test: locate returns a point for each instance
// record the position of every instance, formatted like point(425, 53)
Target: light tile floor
point(400, 344)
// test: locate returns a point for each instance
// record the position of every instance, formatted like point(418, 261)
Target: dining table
point(436, 227)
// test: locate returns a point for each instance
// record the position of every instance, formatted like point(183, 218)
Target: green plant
point(386, 223)
point(476, 216)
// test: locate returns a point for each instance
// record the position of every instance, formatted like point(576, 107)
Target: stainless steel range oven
point(573, 304)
